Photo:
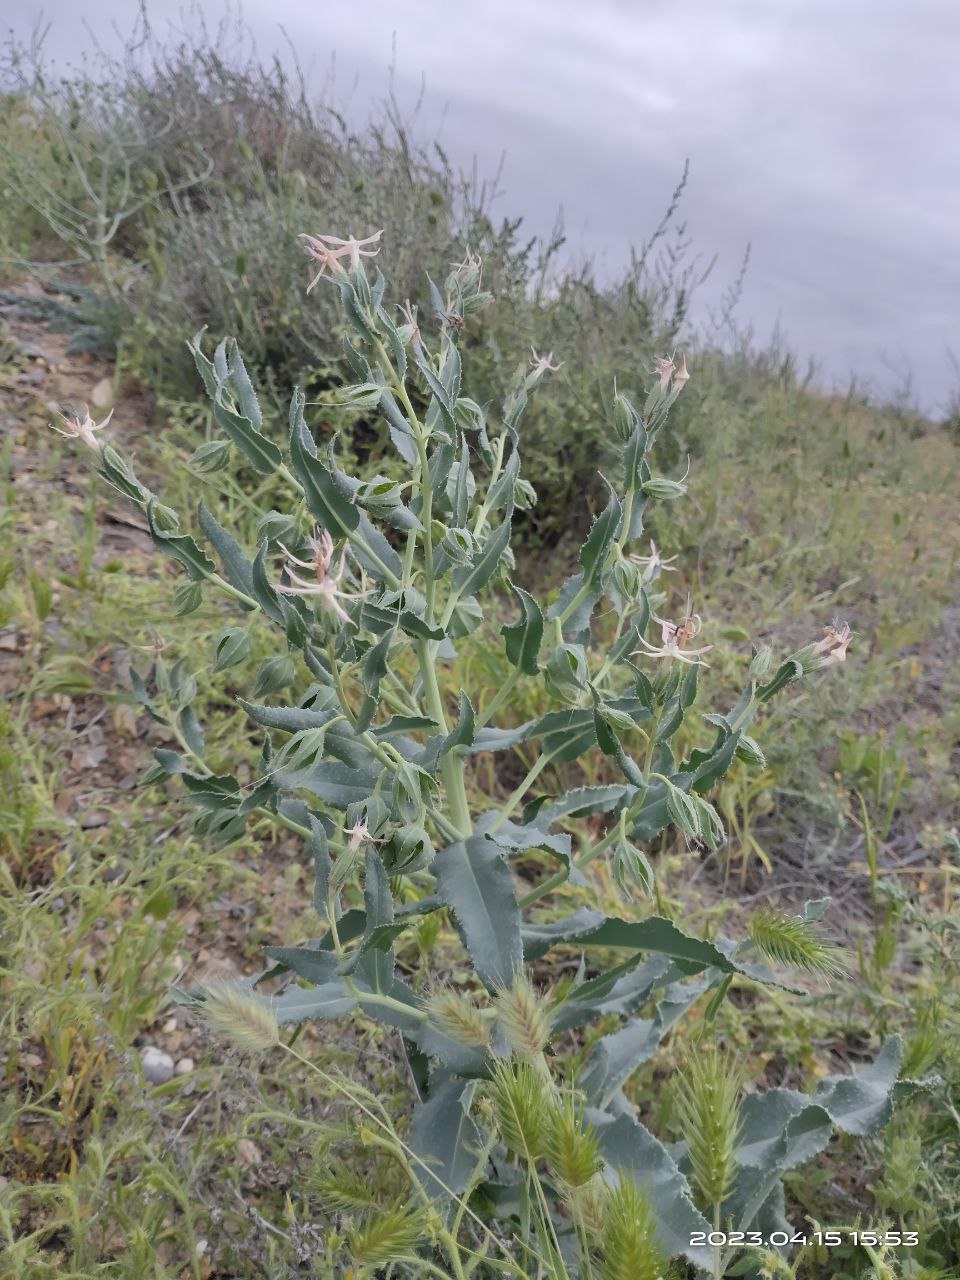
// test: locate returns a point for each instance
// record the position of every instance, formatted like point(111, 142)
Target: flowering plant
point(374, 588)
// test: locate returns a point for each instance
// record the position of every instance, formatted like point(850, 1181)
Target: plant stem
point(517, 794)
point(451, 766)
point(561, 877)
point(499, 698)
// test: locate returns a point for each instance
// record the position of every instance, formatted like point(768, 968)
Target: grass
point(108, 899)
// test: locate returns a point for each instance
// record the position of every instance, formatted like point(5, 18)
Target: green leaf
point(273, 675)
point(614, 1058)
point(476, 883)
point(238, 568)
point(329, 1000)
point(522, 639)
point(631, 1149)
point(605, 528)
point(180, 546)
point(233, 646)
point(656, 934)
point(262, 453)
point(414, 625)
point(467, 582)
point(621, 990)
point(289, 719)
point(783, 1128)
point(445, 1137)
point(378, 901)
point(330, 503)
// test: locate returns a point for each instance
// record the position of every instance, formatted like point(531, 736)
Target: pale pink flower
point(653, 562)
point(543, 364)
point(328, 250)
point(325, 584)
point(664, 367)
point(832, 649)
point(358, 834)
point(82, 427)
point(674, 638)
point(681, 377)
point(409, 313)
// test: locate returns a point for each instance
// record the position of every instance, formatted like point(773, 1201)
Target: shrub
point(376, 588)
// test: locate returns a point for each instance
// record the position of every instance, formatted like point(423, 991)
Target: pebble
point(157, 1065)
point(183, 1067)
point(93, 818)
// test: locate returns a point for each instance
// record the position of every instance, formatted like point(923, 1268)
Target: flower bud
point(408, 850)
point(683, 812)
point(165, 518)
point(625, 417)
point(187, 598)
point(762, 662)
point(750, 752)
point(210, 457)
point(276, 528)
point(632, 869)
point(566, 672)
point(665, 490)
point(458, 546)
point(627, 579)
point(524, 494)
point(380, 495)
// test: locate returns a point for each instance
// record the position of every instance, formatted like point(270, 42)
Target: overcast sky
point(823, 132)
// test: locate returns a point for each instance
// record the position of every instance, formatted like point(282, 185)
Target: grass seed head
point(708, 1105)
point(525, 1019)
point(793, 941)
point(246, 1019)
point(518, 1096)
point(459, 1018)
point(630, 1250)
point(385, 1236)
point(571, 1144)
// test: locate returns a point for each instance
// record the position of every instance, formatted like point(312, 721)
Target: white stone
point(184, 1067)
point(157, 1065)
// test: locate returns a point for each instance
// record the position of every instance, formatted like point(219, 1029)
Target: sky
point(823, 133)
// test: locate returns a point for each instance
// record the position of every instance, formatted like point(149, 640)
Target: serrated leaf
point(181, 547)
point(600, 538)
point(474, 880)
point(631, 1149)
point(522, 639)
point(468, 581)
point(614, 1058)
point(238, 568)
point(445, 1137)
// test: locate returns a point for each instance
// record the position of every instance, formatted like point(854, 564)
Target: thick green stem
point(451, 766)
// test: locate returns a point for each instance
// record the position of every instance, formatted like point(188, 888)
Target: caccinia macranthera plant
point(376, 589)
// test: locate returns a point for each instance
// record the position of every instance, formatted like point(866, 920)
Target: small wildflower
point(82, 427)
point(664, 367)
point(158, 646)
point(681, 377)
point(674, 639)
point(834, 645)
point(328, 250)
point(409, 313)
point(325, 584)
point(544, 364)
point(357, 835)
point(654, 561)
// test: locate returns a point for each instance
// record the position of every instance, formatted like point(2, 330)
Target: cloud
point(821, 132)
